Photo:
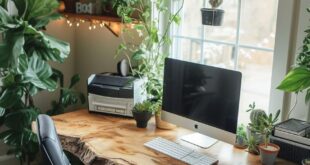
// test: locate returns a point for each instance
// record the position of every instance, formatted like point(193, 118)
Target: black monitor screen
point(206, 94)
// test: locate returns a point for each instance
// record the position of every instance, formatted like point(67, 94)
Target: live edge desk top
point(102, 139)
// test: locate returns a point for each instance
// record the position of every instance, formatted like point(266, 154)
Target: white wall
point(96, 52)
point(60, 30)
point(303, 22)
point(291, 23)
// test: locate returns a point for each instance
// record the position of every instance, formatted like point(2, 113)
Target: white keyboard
point(179, 152)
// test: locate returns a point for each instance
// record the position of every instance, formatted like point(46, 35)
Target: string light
point(112, 26)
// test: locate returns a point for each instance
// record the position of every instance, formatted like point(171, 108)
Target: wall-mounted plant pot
point(142, 118)
point(268, 154)
point(212, 17)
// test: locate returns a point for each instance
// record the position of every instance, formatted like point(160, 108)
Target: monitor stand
point(200, 140)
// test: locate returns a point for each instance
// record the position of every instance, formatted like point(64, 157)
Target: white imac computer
point(201, 98)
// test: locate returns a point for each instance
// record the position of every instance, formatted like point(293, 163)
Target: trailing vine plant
point(25, 50)
point(146, 19)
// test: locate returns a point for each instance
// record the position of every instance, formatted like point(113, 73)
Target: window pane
point(258, 22)
point(191, 19)
point(187, 49)
point(226, 32)
point(256, 68)
point(218, 55)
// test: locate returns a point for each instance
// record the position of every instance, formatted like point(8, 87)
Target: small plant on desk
point(268, 151)
point(142, 112)
point(241, 138)
point(253, 135)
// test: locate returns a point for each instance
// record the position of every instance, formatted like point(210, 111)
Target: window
point(245, 42)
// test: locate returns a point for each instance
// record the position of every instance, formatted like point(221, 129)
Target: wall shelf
point(113, 24)
point(93, 17)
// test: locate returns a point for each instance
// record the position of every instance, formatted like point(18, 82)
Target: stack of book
point(294, 130)
point(293, 138)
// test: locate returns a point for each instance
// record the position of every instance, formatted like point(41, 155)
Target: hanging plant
point(213, 16)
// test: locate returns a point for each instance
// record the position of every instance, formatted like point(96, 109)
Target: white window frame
point(282, 51)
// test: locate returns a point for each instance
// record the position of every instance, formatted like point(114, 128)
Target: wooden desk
point(100, 139)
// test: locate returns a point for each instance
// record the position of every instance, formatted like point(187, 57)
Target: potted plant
point(252, 145)
point(268, 151)
point(25, 55)
point(305, 161)
point(109, 7)
point(149, 55)
point(241, 138)
point(213, 16)
point(142, 112)
point(255, 115)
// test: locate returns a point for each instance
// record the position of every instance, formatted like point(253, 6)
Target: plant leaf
point(74, 80)
point(39, 74)
point(296, 80)
point(10, 97)
point(23, 116)
point(2, 111)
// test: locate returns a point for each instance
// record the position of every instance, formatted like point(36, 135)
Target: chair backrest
point(50, 145)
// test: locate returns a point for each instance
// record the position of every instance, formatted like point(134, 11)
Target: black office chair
point(50, 145)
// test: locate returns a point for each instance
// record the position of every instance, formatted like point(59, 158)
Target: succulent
point(256, 114)
point(215, 3)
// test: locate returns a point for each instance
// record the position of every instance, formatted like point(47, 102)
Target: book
point(294, 126)
point(292, 137)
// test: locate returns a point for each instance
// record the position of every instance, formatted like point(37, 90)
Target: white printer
point(113, 94)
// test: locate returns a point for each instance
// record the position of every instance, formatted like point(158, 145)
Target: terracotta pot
point(268, 154)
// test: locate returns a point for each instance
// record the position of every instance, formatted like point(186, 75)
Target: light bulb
point(94, 26)
point(89, 28)
point(77, 24)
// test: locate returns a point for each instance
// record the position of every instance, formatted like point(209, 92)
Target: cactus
point(215, 3)
point(256, 114)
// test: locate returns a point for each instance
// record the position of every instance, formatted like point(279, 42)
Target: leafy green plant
point(298, 78)
point(266, 125)
point(68, 96)
point(148, 55)
point(255, 115)
point(145, 106)
point(252, 145)
point(215, 3)
point(25, 51)
point(241, 132)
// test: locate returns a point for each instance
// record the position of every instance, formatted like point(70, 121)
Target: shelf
point(93, 17)
point(113, 24)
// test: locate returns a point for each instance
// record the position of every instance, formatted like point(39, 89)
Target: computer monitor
point(202, 98)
